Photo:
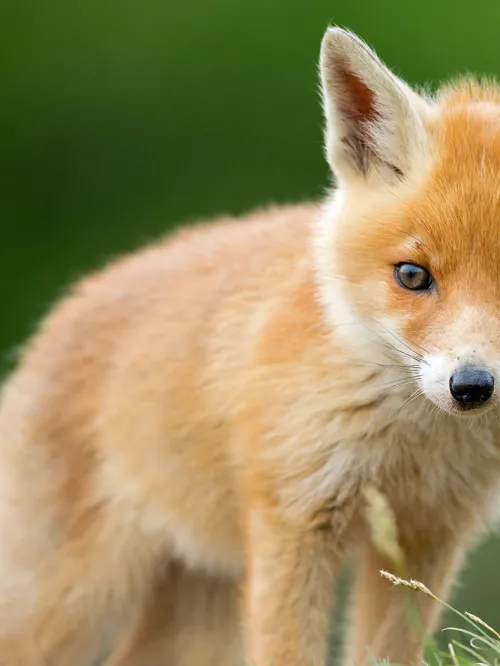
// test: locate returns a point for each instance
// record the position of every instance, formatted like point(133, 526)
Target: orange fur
point(199, 418)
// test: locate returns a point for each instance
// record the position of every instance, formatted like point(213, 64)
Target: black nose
point(471, 386)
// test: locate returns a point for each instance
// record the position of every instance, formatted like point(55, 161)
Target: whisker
point(385, 343)
point(398, 382)
point(418, 358)
point(412, 397)
point(426, 351)
point(400, 340)
point(368, 364)
point(389, 345)
point(399, 366)
point(415, 355)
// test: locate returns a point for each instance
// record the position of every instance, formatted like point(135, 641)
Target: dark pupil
point(413, 277)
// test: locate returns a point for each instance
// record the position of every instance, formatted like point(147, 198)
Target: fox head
point(408, 245)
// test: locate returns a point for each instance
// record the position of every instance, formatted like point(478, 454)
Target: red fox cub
point(185, 443)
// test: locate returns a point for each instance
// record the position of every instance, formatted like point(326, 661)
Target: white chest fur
point(420, 457)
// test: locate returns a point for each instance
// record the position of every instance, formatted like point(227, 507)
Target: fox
point(186, 438)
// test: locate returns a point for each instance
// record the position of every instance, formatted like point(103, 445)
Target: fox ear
point(373, 119)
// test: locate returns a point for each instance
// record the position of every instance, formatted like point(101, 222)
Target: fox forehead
point(453, 217)
point(466, 133)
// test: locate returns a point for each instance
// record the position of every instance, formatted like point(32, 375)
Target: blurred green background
point(121, 119)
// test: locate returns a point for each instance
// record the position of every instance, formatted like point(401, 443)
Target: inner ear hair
point(358, 107)
point(373, 118)
point(363, 155)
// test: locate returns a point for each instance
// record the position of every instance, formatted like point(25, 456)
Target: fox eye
point(412, 276)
